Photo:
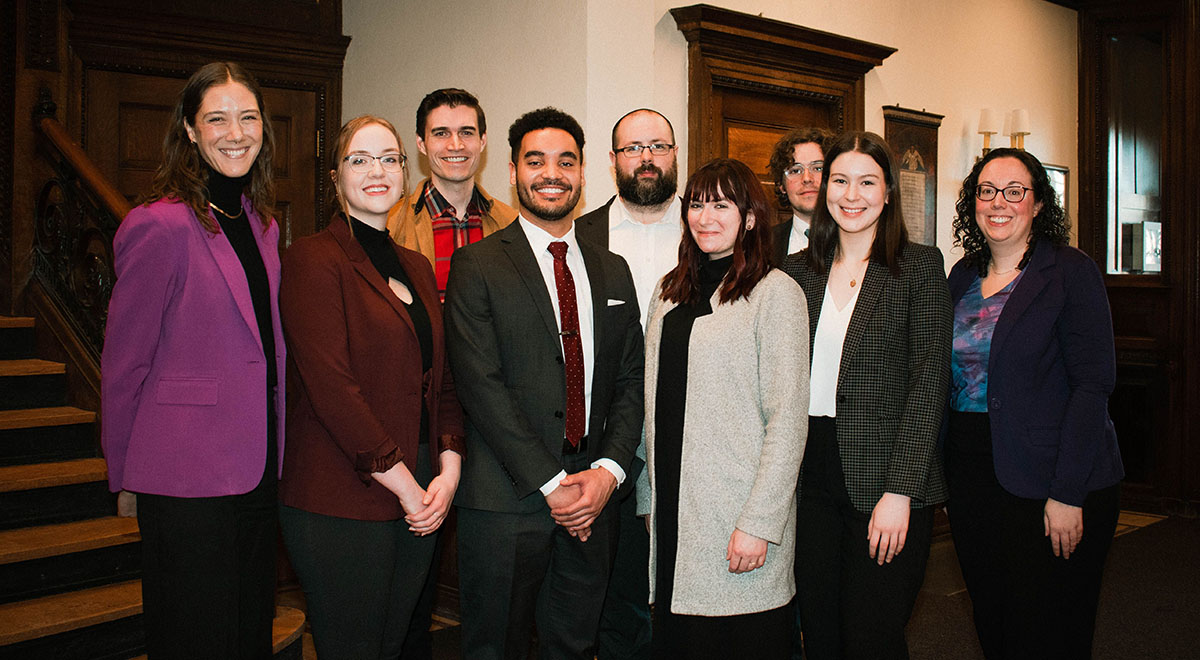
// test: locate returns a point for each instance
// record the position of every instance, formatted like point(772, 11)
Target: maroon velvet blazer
point(355, 378)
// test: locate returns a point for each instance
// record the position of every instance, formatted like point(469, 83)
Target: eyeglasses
point(389, 162)
point(635, 150)
point(1014, 194)
point(798, 169)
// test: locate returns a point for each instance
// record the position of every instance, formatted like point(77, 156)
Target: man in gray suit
point(545, 345)
point(642, 223)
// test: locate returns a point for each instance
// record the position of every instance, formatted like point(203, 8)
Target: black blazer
point(783, 232)
point(506, 357)
point(593, 225)
point(894, 376)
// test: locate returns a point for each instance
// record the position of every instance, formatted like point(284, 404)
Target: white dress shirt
point(539, 242)
point(827, 355)
point(798, 238)
point(650, 249)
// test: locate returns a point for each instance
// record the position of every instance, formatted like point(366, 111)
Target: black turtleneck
point(669, 404)
point(381, 250)
point(226, 194)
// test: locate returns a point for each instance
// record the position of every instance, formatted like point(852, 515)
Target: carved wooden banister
point(89, 175)
point(77, 214)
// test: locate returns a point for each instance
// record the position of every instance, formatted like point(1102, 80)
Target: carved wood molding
point(733, 50)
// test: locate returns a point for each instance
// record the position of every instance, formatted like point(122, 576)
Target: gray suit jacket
point(506, 357)
point(894, 376)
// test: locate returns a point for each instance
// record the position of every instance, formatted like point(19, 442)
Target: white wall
point(597, 59)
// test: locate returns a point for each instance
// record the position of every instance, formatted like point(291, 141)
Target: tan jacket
point(408, 221)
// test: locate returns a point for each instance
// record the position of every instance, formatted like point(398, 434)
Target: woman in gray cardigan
point(726, 421)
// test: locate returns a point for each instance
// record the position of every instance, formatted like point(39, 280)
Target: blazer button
point(558, 359)
point(995, 404)
point(841, 398)
point(558, 414)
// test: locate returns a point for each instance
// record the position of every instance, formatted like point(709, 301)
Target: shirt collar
point(618, 214)
point(540, 240)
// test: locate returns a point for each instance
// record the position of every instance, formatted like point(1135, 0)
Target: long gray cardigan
point(745, 425)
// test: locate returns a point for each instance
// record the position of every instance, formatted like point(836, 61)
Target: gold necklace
point(227, 215)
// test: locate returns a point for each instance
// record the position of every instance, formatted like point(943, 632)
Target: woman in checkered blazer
point(879, 313)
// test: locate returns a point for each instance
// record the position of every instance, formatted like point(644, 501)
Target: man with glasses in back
point(449, 209)
point(797, 163)
point(642, 223)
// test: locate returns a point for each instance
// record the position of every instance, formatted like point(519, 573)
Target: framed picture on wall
point(913, 136)
point(1059, 176)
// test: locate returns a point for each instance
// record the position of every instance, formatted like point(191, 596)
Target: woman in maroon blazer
point(192, 368)
point(374, 428)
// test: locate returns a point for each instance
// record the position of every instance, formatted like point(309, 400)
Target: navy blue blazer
point(1051, 370)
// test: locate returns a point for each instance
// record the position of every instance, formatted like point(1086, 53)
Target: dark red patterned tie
point(572, 343)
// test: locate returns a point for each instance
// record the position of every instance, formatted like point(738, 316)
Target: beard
point(547, 211)
point(648, 191)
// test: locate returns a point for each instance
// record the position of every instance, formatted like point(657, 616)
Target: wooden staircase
point(69, 567)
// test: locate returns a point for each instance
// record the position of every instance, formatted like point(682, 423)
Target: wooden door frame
point(735, 50)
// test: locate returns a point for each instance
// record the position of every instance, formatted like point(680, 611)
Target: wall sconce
point(1015, 126)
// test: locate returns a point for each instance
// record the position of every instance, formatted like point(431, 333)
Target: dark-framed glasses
point(635, 150)
point(798, 169)
point(1014, 194)
point(389, 162)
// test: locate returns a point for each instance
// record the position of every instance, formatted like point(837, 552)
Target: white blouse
point(827, 355)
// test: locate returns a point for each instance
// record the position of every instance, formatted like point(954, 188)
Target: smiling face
point(714, 225)
point(369, 195)
point(228, 128)
point(453, 143)
point(856, 192)
point(802, 190)
point(548, 176)
point(1006, 225)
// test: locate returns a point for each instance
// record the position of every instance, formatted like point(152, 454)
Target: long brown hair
point(181, 174)
point(890, 233)
point(341, 145)
point(731, 180)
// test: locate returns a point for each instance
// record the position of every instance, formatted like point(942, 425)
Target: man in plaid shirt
point(449, 209)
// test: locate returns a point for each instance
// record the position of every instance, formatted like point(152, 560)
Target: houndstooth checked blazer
point(895, 373)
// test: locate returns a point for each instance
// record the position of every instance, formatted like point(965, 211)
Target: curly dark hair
point(1050, 224)
point(785, 148)
point(181, 174)
point(536, 120)
point(732, 180)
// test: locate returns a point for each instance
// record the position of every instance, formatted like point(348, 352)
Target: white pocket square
point(613, 302)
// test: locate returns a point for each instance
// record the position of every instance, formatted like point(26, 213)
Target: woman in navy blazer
point(192, 375)
point(1031, 454)
point(375, 431)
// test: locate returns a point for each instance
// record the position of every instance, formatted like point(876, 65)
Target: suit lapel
point(235, 276)
point(1033, 280)
point(340, 229)
point(595, 274)
point(520, 254)
point(872, 285)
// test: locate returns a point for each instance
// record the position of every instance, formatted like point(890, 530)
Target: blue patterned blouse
point(974, 322)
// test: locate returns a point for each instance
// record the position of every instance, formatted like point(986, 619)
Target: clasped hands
point(579, 498)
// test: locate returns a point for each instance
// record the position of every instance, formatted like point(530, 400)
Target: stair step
point(46, 493)
point(47, 475)
point(18, 545)
point(16, 337)
point(42, 617)
point(36, 435)
point(32, 383)
point(286, 630)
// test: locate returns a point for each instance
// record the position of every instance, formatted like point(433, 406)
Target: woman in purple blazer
point(192, 375)
point(1031, 455)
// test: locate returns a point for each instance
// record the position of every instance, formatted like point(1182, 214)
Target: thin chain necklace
point(998, 272)
point(227, 215)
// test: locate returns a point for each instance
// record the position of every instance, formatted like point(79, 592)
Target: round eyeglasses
point(389, 162)
point(635, 150)
point(1014, 194)
point(798, 169)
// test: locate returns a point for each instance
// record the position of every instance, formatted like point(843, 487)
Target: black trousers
point(208, 573)
point(361, 578)
point(1027, 602)
point(516, 569)
point(760, 635)
point(625, 626)
point(850, 606)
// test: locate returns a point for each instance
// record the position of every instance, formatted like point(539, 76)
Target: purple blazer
point(1051, 370)
point(183, 367)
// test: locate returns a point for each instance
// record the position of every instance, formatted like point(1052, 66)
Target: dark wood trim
point(8, 92)
point(89, 175)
